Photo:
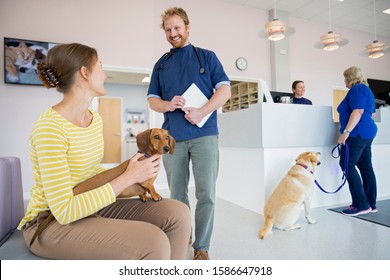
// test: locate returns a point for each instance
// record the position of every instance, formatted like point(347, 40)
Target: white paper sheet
point(195, 98)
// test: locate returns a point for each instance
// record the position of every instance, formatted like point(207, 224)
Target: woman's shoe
point(374, 209)
point(352, 212)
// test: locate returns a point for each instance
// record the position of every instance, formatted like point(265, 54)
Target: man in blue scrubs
point(173, 73)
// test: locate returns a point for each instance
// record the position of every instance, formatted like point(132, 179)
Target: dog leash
point(344, 169)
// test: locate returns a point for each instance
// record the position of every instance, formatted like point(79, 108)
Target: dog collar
point(306, 167)
point(145, 154)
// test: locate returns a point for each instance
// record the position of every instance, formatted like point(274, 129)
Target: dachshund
point(150, 142)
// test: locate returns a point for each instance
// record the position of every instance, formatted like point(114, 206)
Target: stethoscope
point(164, 58)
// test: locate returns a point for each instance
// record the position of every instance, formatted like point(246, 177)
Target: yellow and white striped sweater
point(64, 155)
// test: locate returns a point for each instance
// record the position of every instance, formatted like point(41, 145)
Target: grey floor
point(333, 237)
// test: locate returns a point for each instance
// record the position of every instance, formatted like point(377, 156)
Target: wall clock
point(241, 63)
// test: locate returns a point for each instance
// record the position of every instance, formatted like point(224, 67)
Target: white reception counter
point(258, 146)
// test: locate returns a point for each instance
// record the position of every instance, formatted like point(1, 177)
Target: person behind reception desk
point(298, 88)
point(358, 130)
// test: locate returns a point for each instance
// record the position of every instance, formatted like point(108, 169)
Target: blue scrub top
point(301, 100)
point(173, 74)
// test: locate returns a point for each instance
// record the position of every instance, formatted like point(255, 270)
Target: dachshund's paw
point(145, 198)
point(157, 197)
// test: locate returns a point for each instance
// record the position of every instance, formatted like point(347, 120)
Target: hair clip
point(50, 77)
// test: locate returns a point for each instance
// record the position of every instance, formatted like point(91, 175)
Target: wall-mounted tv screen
point(21, 58)
point(381, 91)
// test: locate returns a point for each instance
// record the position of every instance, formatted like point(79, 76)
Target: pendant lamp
point(331, 41)
point(376, 49)
point(276, 29)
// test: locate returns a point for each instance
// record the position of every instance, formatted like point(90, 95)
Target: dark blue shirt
point(359, 96)
point(301, 100)
point(173, 74)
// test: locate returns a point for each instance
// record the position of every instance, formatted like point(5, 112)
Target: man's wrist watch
point(347, 131)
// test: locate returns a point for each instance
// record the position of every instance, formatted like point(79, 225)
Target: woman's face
point(346, 82)
point(176, 31)
point(299, 90)
point(97, 78)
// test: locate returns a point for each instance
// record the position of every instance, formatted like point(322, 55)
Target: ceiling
point(350, 14)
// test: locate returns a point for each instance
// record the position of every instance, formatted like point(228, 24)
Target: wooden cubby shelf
point(243, 95)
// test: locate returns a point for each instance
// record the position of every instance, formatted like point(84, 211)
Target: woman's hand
point(139, 171)
point(343, 137)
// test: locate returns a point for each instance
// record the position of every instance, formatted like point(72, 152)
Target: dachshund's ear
point(143, 140)
point(172, 144)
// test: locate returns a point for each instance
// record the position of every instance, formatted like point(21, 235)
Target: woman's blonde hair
point(174, 11)
point(354, 75)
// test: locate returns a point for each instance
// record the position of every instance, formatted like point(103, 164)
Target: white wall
point(127, 34)
point(322, 71)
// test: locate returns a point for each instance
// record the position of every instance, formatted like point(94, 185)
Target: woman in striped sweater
point(66, 148)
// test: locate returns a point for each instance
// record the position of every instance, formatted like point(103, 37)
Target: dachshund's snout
point(167, 149)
